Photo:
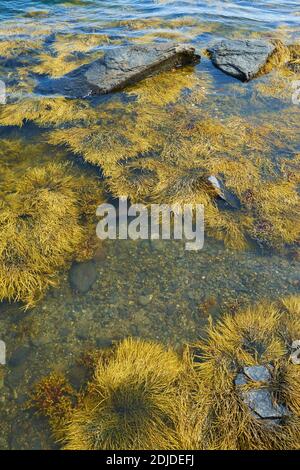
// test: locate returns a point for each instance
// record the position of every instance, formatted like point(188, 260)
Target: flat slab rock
point(260, 400)
point(242, 59)
point(120, 67)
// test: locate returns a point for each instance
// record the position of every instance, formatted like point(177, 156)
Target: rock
point(145, 299)
point(158, 245)
point(77, 376)
point(82, 276)
point(83, 331)
point(240, 379)
point(119, 68)
point(242, 59)
point(103, 343)
point(260, 401)
point(258, 373)
point(19, 356)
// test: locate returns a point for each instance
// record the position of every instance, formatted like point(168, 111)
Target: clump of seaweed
point(42, 229)
point(17, 48)
point(276, 210)
point(130, 403)
point(56, 65)
point(47, 112)
point(66, 43)
point(164, 88)
point(54, 398)
point(255, 340)
point(279, 57)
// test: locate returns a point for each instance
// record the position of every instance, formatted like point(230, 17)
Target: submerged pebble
point(145, 299)
point(19, 356)
point(82, 276)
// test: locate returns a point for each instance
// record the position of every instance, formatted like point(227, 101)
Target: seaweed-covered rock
point(242, 59)
point(121, 67)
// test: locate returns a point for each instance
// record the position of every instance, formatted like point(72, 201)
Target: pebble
point(82, 331)
point(82, 276)
point(19, 356)
point(145, 299)
point(77, 376)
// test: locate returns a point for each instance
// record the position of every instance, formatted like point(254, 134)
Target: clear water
point(153, 290)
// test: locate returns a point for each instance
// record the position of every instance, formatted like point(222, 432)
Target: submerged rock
point(121, 67)
point(242, 59)
point(82, 276)
point(19, 356)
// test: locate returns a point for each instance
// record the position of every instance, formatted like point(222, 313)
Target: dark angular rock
point(242, 59)
point(82, 276)
point(119, 68)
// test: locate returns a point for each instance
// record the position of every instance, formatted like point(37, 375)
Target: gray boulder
point(242, 59)
point(120, 67)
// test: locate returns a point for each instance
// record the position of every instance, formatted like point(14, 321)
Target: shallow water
point(155, 290)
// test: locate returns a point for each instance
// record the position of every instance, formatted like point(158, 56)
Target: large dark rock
point(242, 59)
point(121, 67)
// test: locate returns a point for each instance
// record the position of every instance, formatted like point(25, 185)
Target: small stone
point(145, 299)
point(103, 343)
point(158, 245)
point(82, 276)
point(240, 379)
point(258, 373)
point(19, 356)
point(260, 401)
point(82, 332)
point(77, 376)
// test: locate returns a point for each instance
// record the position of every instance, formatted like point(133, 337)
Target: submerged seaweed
point(45, 223)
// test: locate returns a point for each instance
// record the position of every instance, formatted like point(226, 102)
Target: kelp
point(19, 48)
point(68, 43)
point(155, 152)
